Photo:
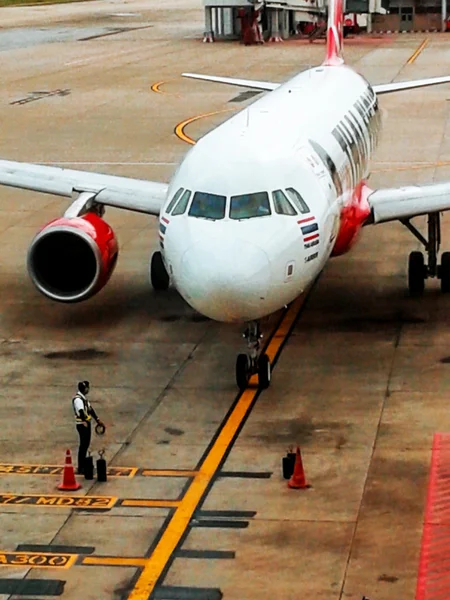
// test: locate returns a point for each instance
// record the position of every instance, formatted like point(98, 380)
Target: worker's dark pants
point(85, 439)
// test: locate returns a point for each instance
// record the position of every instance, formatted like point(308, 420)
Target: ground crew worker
point(83, 415)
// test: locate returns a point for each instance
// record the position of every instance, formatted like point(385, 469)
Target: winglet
point(335, 33)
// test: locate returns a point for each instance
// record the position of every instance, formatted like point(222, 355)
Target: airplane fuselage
point(234, 248)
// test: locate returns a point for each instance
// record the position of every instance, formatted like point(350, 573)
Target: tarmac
point(195, 506)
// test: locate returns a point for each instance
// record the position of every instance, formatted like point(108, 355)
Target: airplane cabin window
point(174, 200)
point(248, 206)
point(208, 206)
point(298, 200)
point(182, 203)
point(282, 204)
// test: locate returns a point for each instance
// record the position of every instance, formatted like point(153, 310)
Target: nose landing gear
point(159, 277)
point(418, 271)
point(253, 362)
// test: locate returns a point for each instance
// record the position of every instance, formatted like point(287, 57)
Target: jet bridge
point(228, 19)
point(277, 19)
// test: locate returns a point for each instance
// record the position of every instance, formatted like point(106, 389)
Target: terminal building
point(278, 20)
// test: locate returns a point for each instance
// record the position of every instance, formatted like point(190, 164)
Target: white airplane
point(255, 209)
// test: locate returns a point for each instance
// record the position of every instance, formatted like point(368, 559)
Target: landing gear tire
point(264, 372)
point(158, 274)
point(445, 272)
point(416, 274)
point(243, 371)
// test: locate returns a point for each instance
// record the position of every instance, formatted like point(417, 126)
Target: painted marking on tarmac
point(113, 561)
point(420, 49)
point(41, 560)
point(150, 503)
point(167, 473)
point(84, 502)
point(7, 469)
point(51, 560)
point(57, 501)
point(167, 545)
point(155, 87)
point(179, 129)
point(128, 472)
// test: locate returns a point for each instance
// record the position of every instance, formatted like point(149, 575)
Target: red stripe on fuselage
point(306, 220)
point(311, 237)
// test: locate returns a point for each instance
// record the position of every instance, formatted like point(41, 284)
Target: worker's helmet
point(83, 387)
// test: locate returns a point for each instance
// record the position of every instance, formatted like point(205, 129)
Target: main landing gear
point(418, 271)
point(159, 277)
point(253, 362)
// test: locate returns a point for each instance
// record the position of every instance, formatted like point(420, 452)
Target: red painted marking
point(165, 220)
point(433, 580)
point(353, 216)
point(311, 237)
point(306, 220)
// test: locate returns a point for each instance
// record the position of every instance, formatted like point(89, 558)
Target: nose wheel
point(158, 274)
point(253, 362)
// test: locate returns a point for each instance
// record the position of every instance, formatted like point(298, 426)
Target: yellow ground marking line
point(85, 502)
point(113, 561)
point(155, 565)
point(422, 47)
point(24, 469)
point(151, 503)
point(179, 129)
point(113, 471)
point(58, 501)
point(168, 473)
point(39, 560)
point(414, 167)
point(155, 87)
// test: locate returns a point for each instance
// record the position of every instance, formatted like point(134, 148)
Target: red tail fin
point(335, 33)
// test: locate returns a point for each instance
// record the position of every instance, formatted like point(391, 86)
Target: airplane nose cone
point(227, 282)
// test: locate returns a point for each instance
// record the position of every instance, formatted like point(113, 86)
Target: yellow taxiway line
point(113, 561)
point(151, 503)
point(154, 566)
point(168, 473)
point(179, 129)
point(155, 87)
point(422, 47)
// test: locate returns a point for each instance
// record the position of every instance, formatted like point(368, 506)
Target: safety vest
point(86, 408)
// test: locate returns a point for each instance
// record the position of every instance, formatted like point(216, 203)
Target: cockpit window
point(208, 206)
point(298, 200)
point(282, 204)
point(247, 206)
point(174, 200)
point(182, 203)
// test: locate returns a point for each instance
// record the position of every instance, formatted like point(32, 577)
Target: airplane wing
point(383, 88)
point(248, 83)
point(387, 88)
point(391, 204)
point(135, 195)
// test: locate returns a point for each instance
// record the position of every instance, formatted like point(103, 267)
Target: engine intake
point(70, 260)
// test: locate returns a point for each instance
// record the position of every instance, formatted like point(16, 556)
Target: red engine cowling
point(70, 260)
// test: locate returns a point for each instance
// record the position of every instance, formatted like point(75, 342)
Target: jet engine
point(71, 259)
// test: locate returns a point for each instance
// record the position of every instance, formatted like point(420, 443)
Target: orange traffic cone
point(298, 481)
point(69, 483)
